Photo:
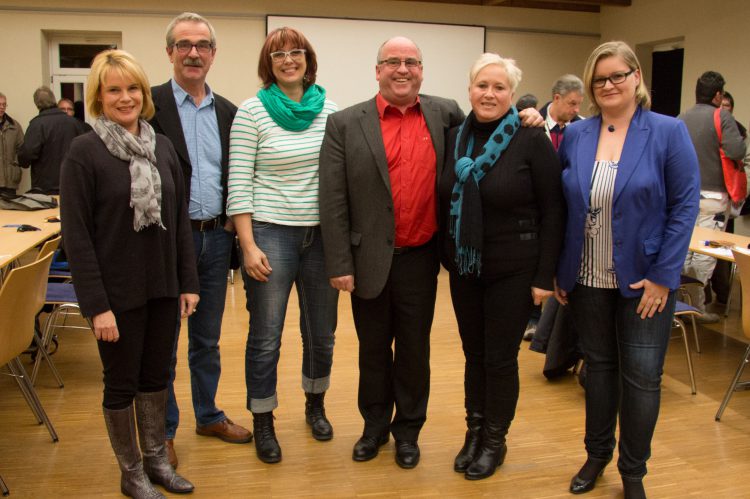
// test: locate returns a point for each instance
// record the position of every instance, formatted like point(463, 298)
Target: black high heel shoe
point(585, 479)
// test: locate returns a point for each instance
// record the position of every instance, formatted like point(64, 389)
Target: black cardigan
point(523, 209)
point(113, 266)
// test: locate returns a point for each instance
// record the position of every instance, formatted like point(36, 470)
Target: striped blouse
point(273, 173)
point(597, 266)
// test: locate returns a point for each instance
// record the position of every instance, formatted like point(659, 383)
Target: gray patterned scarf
point(145, 182)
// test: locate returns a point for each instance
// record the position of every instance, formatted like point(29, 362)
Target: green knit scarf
point(291, 115)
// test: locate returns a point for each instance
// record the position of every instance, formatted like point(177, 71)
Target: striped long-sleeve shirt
point(273, 173)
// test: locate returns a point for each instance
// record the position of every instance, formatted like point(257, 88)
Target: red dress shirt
point(412, 171)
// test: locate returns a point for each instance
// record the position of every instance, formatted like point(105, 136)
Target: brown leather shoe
point(227, 431)
point(171, 454)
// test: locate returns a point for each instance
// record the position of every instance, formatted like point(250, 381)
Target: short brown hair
point(624, 52)
point(276, 40)
point(126, 65)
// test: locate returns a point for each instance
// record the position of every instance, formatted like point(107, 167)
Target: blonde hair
point(624, 52)
point(508, 65)
point(125, 64)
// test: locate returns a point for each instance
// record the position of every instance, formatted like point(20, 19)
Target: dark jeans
point(213, 249)
point(624, 357)
point(394, 346)
point(139, 360)
point(492, 316)
point(296, 256)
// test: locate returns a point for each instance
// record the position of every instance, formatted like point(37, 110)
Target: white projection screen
point(347, 50)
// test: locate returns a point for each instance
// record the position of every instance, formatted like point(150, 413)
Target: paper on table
point(719, 252)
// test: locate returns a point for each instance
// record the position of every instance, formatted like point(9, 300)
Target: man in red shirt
point(378, 168)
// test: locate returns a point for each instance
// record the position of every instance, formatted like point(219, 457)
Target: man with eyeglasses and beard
point(378, 168)
point(198, 121)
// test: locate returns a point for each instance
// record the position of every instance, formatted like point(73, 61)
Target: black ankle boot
point(492, 451)
point(266, 445)
point(471, 443)
point(585, 479)
point(633, 489)
point(315, 415)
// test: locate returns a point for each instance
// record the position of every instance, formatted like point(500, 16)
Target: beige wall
point(520, 33)
point(715, 38)
point(533, 37)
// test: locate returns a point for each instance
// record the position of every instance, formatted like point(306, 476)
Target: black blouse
point(523, 209)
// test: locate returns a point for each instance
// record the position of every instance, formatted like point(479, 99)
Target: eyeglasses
point(395, 62)
point(203, 46)
point(615, 78)
point(295, 54)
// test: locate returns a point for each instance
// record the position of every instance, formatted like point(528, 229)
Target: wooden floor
point(692, 454)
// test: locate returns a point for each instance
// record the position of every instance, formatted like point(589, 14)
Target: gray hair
point(566, 84)
point(190, 17)
point(44, 98)
point(2, 96)
point(380, 49)
point(508, 65)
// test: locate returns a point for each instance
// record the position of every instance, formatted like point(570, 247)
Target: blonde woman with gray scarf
point(127, 236)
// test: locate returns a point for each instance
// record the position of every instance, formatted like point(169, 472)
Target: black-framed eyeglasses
point(615, 78)
point(203, 46)
point(295, 54)
point(395, 62)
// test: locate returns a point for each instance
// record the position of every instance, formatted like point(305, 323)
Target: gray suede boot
point(150, 413)
point(121, 428)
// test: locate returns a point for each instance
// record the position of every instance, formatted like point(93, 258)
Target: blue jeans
point(296, 256)
point(624, 357)
point(213, 249)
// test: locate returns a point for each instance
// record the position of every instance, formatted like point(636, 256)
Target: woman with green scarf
point(273, 200)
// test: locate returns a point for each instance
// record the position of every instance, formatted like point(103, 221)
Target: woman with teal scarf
point(501, 217)
point(273, 200)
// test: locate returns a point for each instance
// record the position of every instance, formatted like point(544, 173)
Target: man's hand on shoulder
point(530, 117)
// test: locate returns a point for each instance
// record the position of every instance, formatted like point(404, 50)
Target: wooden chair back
point(21, 297)
point(50, 245)
point(742, 259)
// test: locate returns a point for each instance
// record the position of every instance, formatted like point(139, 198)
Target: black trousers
point(492, 316)
point(139, 360)
point(394, 346)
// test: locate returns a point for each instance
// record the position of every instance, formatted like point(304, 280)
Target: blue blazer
point(655, 204)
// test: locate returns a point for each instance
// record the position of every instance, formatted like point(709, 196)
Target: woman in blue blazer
point(631, 183)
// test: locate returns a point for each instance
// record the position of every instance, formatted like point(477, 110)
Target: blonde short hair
point(624, 52)
point(126, 65)
point(508, 65)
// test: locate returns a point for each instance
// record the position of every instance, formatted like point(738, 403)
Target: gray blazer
point(356, 203)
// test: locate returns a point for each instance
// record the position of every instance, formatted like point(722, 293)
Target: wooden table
point(702, 234)
point(13, 243)
point(698, 245)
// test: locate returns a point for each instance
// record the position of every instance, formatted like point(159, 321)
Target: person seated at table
point(631, 183)
point(129, 243)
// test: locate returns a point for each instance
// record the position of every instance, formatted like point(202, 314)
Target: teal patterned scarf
point(465, 219)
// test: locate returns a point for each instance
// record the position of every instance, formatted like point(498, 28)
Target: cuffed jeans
point(624, 357)
point(295, 255)
point(213, 249)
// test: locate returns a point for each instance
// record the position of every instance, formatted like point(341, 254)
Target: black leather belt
point(204, 225)
point(400, 250)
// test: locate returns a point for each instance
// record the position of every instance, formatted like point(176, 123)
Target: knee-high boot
point(121, 429)
point(150, 413)
point(471, 443)
point(492, 452)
